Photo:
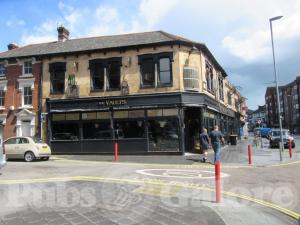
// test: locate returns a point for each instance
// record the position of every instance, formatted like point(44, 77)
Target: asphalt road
point(63, 191)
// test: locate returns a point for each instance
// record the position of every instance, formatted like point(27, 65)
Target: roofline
point(176, 40)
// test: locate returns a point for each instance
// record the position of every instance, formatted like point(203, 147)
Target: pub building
point(150, 92)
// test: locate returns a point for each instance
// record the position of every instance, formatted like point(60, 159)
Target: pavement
point(231, 155)
point(78, 189)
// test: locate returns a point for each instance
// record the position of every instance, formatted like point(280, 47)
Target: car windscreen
point(37, 140)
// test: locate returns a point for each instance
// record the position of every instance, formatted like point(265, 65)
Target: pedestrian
point(204, 143)
point(216, 138)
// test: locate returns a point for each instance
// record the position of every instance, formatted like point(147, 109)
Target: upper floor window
point(2, 70)
point(221, 89)
point(156, 69)
point(27, 96)
point(28, 67)
point(2, 97)
point(209, 77)
point(57, 77)
point(105, 74)
point(229, 98)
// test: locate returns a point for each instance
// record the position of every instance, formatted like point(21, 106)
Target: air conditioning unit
point(11, 107)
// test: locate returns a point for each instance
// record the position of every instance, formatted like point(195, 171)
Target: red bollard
point(250, 154)
point(218, 180)
point(290, 149)
point(116, 151)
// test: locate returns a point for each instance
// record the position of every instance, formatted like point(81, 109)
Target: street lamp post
point(277, 89)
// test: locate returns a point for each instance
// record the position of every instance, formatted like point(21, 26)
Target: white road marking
point(175, 173)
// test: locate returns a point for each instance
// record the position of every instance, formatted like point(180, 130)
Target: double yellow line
point(159, 183)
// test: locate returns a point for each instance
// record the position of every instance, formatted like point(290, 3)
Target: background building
point(289, 105)
point(257, 118)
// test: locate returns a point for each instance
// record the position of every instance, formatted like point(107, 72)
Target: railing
point(191, 79)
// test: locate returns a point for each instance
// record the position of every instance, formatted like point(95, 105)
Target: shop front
point(140, 124)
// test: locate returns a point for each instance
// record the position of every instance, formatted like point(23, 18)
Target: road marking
point(158, 191)
point(184, 166)
point(176, 173)
point(285, 211)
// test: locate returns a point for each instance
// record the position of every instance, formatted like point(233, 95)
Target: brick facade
point(13, 97)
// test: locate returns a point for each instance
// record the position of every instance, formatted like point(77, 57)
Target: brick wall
point(13, 97)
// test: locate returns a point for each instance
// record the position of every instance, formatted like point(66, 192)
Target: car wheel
point(45, 158)
point(29, 157)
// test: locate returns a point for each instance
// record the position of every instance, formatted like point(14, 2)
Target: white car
point(26, 148)
point(2, 156)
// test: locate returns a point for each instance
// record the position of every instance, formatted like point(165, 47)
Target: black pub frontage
point(160, 123)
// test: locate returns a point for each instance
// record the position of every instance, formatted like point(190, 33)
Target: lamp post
point(277, 89)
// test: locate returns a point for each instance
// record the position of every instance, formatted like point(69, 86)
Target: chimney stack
point(63, 33)
point(12, 46)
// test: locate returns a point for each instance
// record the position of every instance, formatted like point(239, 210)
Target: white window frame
point(22, 84)
point(27, 74)
point(4, 70)
point(3, 86)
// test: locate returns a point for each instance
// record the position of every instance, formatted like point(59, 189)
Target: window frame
point(209, 75)
point(26, 67)
point(2, 98)
point(25, 95)
point(2, 70)
point(53, 68)
point(157, 73)
point(106, 72)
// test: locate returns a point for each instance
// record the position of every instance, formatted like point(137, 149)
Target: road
point(64, 191)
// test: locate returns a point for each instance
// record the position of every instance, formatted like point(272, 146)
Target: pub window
point(129, 129)
point(72, 116)
point(2, 97)
point(163, 134)
point(59, 117)
point(170, 112)
point(100, 129)
point(156, 69)
point(27, 96)
point(27, 67)
point(121, 114)
point(57, 78)
point(65, 131)
point(89, 116)
point(105, 74)
point(2, 69)
point(154, 112)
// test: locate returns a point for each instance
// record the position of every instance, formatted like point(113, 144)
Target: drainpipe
point(40, 101)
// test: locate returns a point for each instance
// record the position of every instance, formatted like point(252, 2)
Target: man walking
point(216, 138)
point(204, 142)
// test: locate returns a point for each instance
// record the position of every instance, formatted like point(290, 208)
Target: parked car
point(2, 156)
point(274, 137)
point(26, 148)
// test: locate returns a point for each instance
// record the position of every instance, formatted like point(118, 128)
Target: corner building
point(151, 92)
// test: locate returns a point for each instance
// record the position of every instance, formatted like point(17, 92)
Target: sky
point(237, 32)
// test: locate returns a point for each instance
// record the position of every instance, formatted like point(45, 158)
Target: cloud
point(15, 22)
point(152, 11)
point(253, 44)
